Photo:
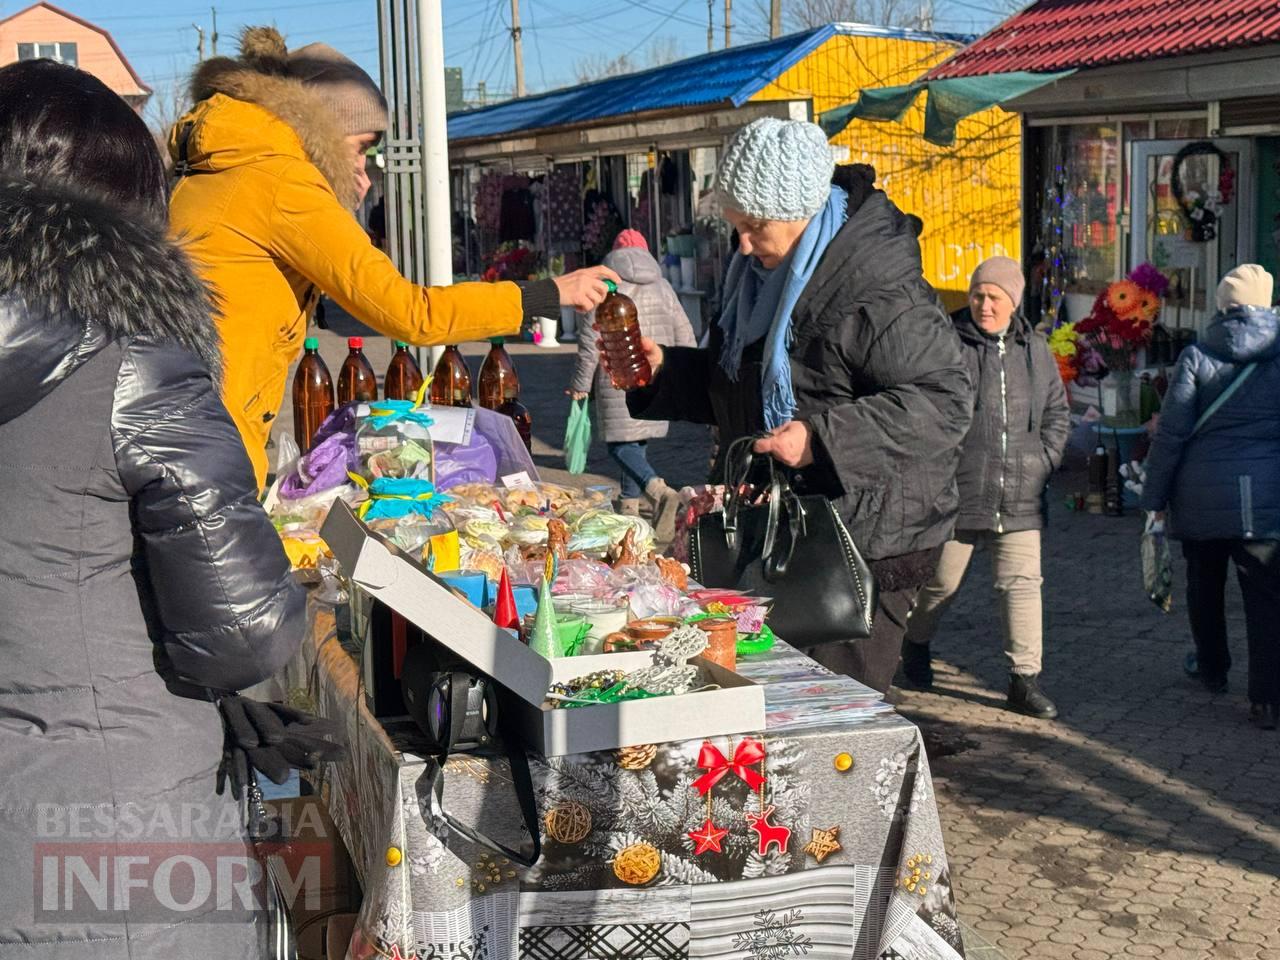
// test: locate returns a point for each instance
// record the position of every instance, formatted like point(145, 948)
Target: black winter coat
point(878, 375)
point(1020, 426)
point(137, 569)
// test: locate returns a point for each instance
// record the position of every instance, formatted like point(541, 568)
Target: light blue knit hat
point(776, 170)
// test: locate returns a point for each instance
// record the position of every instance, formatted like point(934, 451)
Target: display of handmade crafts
point(669, 673)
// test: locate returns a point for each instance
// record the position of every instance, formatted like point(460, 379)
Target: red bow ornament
point(710, 759)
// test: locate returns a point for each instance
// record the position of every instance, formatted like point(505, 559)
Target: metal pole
point(199, 42)
point(775, 18)
point(435, 148)
point(214, 38)
point(711, 30)
point(517, 46)
point(728, 18)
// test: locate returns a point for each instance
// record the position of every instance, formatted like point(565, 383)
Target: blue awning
point(726, 77)
point(949, 101)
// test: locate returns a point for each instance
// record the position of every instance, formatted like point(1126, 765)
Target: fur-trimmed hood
point(258, 76)
point(75, 275)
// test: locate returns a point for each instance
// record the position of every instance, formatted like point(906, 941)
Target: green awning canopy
point(949, 101)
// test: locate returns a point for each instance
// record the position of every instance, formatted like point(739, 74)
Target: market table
point(847, 860)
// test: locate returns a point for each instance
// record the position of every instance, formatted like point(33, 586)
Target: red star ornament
point(707, 837)
point(769, 833)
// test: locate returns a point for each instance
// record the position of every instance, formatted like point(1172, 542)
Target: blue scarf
point(758, 304)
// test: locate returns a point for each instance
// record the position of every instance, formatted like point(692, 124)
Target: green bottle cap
point(613, 287)
point(311, 343)
point(400, 344)
point(498, 341)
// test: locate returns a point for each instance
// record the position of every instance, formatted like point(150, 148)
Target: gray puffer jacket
point(137, 574)
point(1224, 482)
point(1019, 431)
point(662, 319)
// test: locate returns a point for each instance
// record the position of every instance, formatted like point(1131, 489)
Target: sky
point(160, 40)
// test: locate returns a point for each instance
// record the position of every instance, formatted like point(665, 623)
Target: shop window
point(1080, 201)
point(1187, 128)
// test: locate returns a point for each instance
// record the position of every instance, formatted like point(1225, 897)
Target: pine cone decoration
point(637, 758)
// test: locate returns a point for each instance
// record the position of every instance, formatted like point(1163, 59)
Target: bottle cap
point(613, 287)
point(355, 343)
point(311, 343)
point(497, 341)
point(400, 345)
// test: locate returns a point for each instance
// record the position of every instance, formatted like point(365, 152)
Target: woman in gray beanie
point(831, 341)
point(1019, 433)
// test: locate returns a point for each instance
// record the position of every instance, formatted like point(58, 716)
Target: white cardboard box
point(390, 575)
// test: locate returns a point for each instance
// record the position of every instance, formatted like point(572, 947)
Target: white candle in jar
point(605, 617)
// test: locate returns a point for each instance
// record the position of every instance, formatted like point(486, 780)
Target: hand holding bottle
point(584, 289)
point(652, 352)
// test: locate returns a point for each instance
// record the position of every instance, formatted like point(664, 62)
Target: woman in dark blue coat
point(1217, 472)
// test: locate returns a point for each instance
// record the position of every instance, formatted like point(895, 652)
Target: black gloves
point(271, 738)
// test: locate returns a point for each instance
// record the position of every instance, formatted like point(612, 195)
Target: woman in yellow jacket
point(270, 164)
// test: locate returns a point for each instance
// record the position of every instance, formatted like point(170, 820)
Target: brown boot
point(666, 507)
point(629, 506)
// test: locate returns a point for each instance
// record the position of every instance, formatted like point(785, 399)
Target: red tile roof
point(1063, 34)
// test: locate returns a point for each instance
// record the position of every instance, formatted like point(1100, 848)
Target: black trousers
point(1257, 564)
point(873, 661)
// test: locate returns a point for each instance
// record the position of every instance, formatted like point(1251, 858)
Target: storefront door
point(1195, 222)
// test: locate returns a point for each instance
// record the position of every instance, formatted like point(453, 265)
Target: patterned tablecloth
point(643, 857)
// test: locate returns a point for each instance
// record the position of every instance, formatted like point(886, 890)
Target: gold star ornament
point(824, 843)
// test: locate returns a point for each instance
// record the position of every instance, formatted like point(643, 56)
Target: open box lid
point(404, 584)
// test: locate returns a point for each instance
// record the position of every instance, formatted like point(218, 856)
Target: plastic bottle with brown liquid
point(312, 394)
point(404, 378)
point(451, 383)
point(499, 389)
point(620, 331)
point(356, 379)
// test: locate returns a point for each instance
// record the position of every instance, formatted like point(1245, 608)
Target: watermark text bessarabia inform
point(167, 863)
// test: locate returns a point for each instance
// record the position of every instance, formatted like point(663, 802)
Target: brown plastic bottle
point(312, 394)
point(499, 389)
point(620, 330)
point(356, 379)
point(451, 383)
point(404, 378)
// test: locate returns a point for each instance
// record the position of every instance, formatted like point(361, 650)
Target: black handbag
point(793, 548)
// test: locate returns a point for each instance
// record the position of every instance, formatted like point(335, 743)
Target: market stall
point(850, 864)
point(676, 781)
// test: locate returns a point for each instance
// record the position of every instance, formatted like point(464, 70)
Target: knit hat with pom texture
point(776, 170)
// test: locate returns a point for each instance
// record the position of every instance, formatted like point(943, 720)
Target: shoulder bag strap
point(1224, 396)
point(521, 778)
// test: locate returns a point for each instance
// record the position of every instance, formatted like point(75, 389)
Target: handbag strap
point(1224, 396)
point(740, 462)
point(522, 779)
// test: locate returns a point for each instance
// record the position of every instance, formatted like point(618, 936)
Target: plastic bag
point(471, 463)
point(577, 436)
point(1157, 564)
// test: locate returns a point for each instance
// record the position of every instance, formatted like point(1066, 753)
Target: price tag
point(518, 481)
point(452, 424)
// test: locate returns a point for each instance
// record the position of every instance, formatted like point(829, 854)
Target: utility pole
point(728, 20)
point(214, 38)
point(519, 49)
point(775, 18)
point(711, 30)
point(200, 41)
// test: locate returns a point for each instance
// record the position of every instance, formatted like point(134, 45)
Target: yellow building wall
point(968, 194)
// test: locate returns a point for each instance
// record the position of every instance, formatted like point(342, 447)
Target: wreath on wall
point(1201, 212)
